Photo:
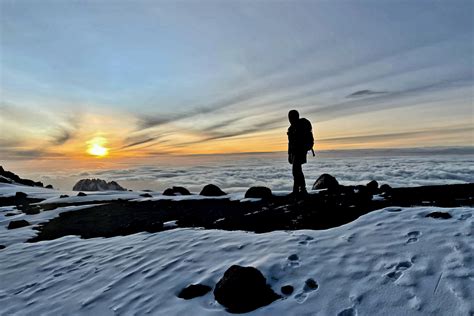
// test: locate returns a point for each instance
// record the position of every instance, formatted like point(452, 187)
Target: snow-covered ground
point(389, 262)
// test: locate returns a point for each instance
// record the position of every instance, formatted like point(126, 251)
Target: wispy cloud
point(364, 93)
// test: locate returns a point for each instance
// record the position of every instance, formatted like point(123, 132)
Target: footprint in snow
point(413, 236)
point(304, 239)
point(398, 271)
point(465, 216)
point(309, 286)
point(348, 312)
point(293, 260)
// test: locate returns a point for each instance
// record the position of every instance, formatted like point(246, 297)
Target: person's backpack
point(307, 139)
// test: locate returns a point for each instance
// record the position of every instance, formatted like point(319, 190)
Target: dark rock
point(325, 181)
point(30, 209)
point(20, 195)
point(259, 192)
point(194, 290)
point(2, 246)
point(287, 289)
point(49, 186)
point(97, 185)
point(385, 188)
point(62, 196)
point(212, 190)
point(372, 186)
point(17, 224)
point(11, 214)
point(439, 215)
point(147, 195)
point(293, 257)
point(7, 175)
point(5, 180)
point(176, 191)
point(310, 284)
point(243, 289)
point(81, 194)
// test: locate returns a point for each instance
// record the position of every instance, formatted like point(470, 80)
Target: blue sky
point(204, 75)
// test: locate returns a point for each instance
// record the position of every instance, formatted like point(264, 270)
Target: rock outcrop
point(176, 191)
point(10, 177)
point(212, 190)
point(97, 185)
point(325, 181)
point(243, 289)
point(259, 193)
point(18, 224)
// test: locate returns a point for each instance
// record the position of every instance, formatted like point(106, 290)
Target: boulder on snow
point(97, 185)
point(176, 191)
point(194, 290)
point(385, 188)
point(146, 195)
point(49, 186)
point(62, 196)
point(20, 195)
point(81, 194)
point(372, 186)
point(287, 289)
point(212, 190)
point(325, 181)
point(18, 224)
point(243, 289)
point(259, 193)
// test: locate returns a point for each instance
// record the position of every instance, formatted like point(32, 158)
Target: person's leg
point(298, 177)
point(294, 170)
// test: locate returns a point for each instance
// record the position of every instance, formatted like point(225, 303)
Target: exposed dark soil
point(323, 210)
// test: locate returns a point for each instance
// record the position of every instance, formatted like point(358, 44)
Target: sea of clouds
point(236, 173)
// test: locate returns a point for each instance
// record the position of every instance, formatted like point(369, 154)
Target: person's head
point(293, 116)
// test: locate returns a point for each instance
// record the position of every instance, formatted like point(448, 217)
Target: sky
point(152, 78)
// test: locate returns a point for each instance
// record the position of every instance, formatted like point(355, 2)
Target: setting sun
point(95, 147)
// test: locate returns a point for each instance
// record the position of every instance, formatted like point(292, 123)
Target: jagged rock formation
point(10, 177)
point(97, 185)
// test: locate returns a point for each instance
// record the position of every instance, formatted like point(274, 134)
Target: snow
point(393, 261)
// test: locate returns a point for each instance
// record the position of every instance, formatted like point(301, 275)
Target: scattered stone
point(325, 181)
point(439, 215)
point(2, 246)
point(146, 195)
point(310, 284)
point(49, 186)
point(20, 195)
point(293, 257)
point(62, 196)
point(259, 193)
point(212, 190)
point(243, 289)
point(81, 194)
point(287, 289)
point(194, 290)
point(372, 187)
point(10, 214)
point(176, 191)
point(18, 224)
point(30, 210)
point(97, 185)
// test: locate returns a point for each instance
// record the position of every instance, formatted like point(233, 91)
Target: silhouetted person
point(300, 141)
